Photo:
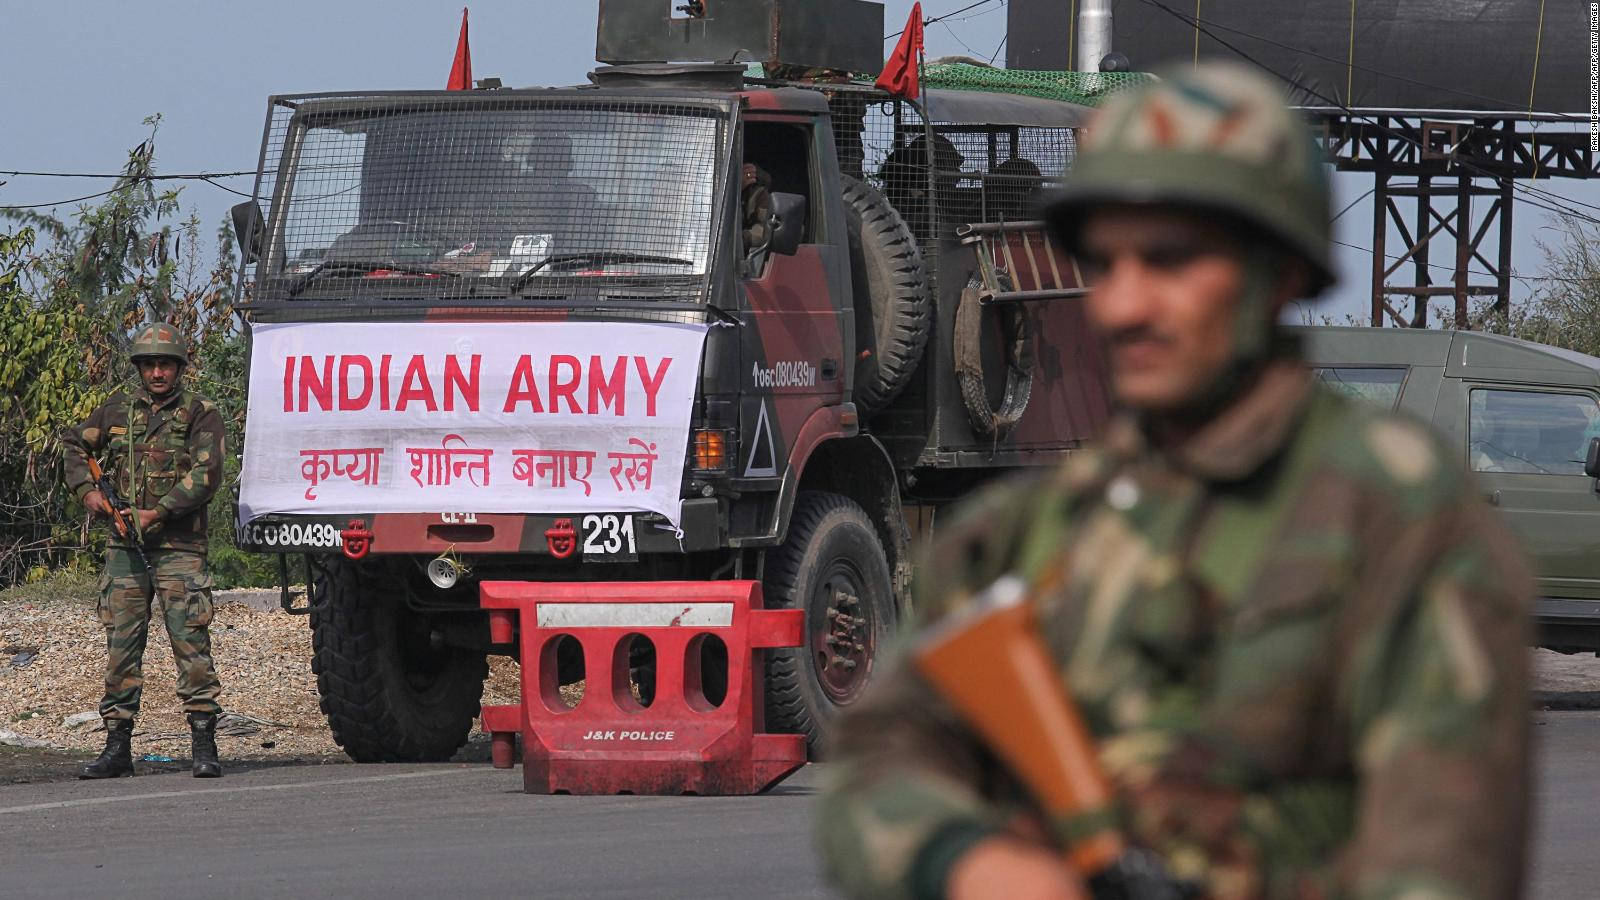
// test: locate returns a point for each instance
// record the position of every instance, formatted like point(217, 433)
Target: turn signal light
point(710, 450)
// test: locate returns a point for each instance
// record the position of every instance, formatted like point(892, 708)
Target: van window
point(1380, 387)
point(1530, 432)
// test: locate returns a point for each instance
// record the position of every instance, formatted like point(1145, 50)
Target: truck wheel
point(388, 693)
point(887, 271)
point(832, 566)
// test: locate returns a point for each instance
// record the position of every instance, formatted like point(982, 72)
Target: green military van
point(1523, 416)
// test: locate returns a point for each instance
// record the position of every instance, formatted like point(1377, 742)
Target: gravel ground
point(52, 655)
point(1566, 682)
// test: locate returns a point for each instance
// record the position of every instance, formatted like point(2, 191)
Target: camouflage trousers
point(182, 587)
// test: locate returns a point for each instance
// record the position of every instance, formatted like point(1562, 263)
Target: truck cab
point(554, 335)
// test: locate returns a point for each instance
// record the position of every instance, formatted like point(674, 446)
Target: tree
point(1564, 310)
point(66, 312)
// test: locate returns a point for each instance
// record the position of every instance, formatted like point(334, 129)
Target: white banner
point(504, 417)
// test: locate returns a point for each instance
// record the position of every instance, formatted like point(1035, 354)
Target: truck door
point(1526, 448)
point(795, 311)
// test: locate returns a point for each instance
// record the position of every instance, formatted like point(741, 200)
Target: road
point(416, 831)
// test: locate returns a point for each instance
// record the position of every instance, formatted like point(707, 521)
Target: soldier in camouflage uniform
point(1295, 631)
point(163, 446)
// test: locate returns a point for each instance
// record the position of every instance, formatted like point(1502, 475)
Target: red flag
point(900, 76)
point(461, 69)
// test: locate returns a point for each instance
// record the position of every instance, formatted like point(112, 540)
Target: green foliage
point(1565, 310)
point(66, 310)
point(77, 581)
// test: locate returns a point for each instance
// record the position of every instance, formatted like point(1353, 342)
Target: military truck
point(1526, 420)
point(678, 323)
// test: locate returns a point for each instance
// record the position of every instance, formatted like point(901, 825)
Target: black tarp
point(1408, 54)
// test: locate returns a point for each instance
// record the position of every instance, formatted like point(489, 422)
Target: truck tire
point(987, 421)
point(832, 565)
point(887, 270)
point(388, 694)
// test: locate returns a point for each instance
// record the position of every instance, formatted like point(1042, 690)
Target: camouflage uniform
point(164, 454)
point(1298, 636)
point(756, 201)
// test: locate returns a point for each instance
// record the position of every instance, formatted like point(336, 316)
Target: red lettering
point(569, 388)
point(288, 384)
point(467, 384)
point(652, 383)
point(347, 365)
point(383, 381)
point(522, 388)
point(414, 385)
point(314, 385)
point(607, 393)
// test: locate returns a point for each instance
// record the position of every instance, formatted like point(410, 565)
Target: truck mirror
point(788, 222)
point(1591, 462)
point(247, 229)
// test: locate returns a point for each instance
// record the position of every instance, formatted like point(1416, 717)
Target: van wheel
point(892, 303)
point(832, 566)
point(389, 694)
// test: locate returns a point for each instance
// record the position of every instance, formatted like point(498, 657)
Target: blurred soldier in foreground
point(1294, 631)
point(160, 447)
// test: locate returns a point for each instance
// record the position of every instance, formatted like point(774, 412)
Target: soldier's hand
point(96, 503)
point(148, 519)
point(1007, 868)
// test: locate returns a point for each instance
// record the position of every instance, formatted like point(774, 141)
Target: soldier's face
point(159, 374)
point(1164, 289)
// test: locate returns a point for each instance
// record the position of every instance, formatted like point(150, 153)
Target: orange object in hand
point(989, 663)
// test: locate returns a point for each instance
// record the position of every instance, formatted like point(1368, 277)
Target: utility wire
point(200, 176)
point(977, 15)
point(1001, 46)
point(59, 202)
point(230, 190)
point(1352, 205)
point(207, 177)
point(1522, 278)
point(927, 22)
point(957, 38)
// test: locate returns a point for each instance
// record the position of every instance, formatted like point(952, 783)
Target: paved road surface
point(410, 831)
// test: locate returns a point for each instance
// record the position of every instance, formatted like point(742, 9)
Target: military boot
point(116, 760)
point(203, 745)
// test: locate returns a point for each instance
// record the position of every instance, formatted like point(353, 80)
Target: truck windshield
point(484, 198)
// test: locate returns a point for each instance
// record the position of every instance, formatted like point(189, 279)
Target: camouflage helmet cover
point(1217, 137)
point(158, 339)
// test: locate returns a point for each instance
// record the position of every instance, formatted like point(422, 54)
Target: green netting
point(1085, 88)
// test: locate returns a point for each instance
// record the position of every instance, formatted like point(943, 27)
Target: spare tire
point(890, 286)
point(985, 419)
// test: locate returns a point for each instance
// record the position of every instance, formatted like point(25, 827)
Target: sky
point(79, 76)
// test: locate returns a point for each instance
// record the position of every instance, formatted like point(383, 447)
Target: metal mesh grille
point(1083, 88)
point(979, 173)
point(476, 194)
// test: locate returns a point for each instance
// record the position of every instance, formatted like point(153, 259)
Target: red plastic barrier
point(610, 743)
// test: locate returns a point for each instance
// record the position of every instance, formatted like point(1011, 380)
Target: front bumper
point(479, 534)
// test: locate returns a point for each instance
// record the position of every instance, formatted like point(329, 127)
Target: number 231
point(608, 534)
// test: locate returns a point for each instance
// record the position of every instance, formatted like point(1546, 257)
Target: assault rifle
point(119, 508)
point(990, 665)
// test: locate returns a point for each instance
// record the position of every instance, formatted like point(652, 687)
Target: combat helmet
point(158, 339)
point(1217, 137)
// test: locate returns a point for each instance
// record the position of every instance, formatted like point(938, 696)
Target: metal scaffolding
point(1463, 169)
